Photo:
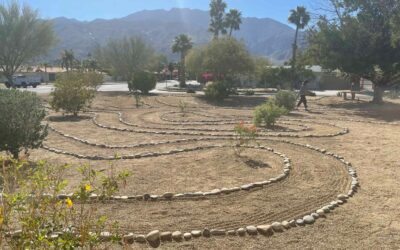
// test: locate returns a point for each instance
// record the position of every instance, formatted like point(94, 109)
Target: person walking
point(302, 94)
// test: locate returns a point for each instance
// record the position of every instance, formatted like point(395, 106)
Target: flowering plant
point(244, 135)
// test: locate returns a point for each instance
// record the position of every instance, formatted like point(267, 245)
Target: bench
point(345, 92)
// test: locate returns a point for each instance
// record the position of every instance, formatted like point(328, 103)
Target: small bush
point(74, 91)
point(30, 205)
point(21, 115)
point(244, 135)
point(286, 99)
point(218, 90)
point(266, 114)
point(142, 81)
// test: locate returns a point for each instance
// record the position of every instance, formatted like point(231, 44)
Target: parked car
point(24, 81)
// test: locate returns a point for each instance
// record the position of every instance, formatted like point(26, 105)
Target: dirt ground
point(370, 220)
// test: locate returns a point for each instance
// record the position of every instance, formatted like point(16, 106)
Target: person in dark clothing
point(302, 94)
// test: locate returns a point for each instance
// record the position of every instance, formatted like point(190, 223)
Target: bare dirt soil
point(369, 220)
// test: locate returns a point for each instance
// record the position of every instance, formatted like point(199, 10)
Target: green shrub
point(218, 90)
point(74, 91)
point(267, 113)
point(21, 115)
point(142, 81)
point(286, 99)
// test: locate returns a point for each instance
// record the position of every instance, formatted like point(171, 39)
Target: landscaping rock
point(187, 236)
point(218, 232)
point(153, 238)
point(196, 233)
point(265, 230)
point(251, 230)
point(177, 236)
point(241, 232)
point(140, 238)
point(286, 224)
point(277, 227)
point(129, 238)
point(308, 219)
point(166, 236)
point(231, 233)
point(300, 222)
point(206, 233)
point(168, 196)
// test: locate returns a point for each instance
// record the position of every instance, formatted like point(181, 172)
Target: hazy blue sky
point(107, 9)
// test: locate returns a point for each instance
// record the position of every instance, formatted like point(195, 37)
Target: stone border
point(197, 194)
point(154, 238)
point(342, 132)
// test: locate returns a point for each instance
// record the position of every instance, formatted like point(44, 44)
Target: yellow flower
point(69, 202)
point(88, 188)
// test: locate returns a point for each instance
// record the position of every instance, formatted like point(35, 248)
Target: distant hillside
point(264, 37)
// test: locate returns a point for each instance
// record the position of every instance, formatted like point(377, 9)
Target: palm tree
point(45, 65)
point(182, 44)
point(233, 20)
point(67, 59)
point(299, 17)
point(217, 13)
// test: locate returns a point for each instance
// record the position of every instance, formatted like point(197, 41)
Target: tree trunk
point(230, 32)
point(182, 75)
point(294, 57)
point(378, 94)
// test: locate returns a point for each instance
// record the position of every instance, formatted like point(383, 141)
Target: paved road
point(160, 88)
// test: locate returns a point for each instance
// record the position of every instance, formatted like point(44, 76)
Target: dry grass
point(368, 221)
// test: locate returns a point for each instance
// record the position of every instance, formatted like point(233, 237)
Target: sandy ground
point(370, 220)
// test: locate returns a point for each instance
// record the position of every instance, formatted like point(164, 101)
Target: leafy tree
point(67, 59)
point(74, 91)
point(217, 22)
point(227, 57)
point(21, 118)
point(124, 57)
point(360, 42)
point(260, 66)
point(182, 44)
point(143, 81)
point(195, 62)
point(23, 36)
point(233, 19)
point(158, 63)
point(299, 17)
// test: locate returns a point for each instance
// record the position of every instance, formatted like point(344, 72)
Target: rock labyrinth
point(305, 212)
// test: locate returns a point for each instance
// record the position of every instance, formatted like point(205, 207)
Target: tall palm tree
point(182, 44)
point(299, 17)
point(67, 59)
point(233, 19)
point(217, 13)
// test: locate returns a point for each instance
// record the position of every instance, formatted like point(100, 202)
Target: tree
point(227, 57)
point(217, 22)
point(21, 118)
point(360, 43)
point(23, 36)
point(67, 59)
point(299, 17)
point(182, 44)
point(143, 81)
point(233, 20)
point(195, 62)
point(74, 91)
point(124, 57)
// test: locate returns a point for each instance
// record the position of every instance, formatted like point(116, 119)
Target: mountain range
point(262, 36)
